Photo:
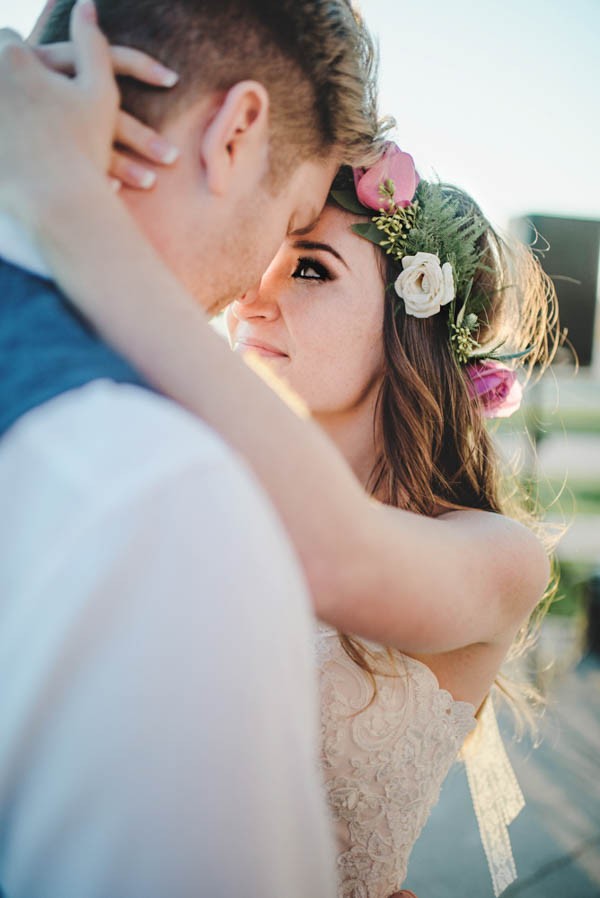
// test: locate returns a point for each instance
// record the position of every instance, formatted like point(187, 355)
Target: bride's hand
point(130, 134)
point(54, 129)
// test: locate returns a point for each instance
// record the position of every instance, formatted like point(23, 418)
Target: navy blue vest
point(46, 347)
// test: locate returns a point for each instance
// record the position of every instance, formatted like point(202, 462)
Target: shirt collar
point(17, 248)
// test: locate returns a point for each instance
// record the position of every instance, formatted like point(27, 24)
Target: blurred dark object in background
point(593, 614)
point(568, 249)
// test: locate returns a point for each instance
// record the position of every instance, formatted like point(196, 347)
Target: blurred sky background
point(498, 96)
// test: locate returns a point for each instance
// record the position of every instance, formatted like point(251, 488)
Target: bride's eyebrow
point(311, 245)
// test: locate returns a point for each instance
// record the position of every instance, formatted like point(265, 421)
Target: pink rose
point(496, 387)
point(394, 166)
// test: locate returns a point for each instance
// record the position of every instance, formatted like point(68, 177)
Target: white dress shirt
point(158, 702)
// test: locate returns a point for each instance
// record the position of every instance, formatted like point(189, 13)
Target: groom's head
point(273, 95)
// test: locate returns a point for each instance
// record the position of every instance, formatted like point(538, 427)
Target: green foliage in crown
point(434, 235)
point(434, 223)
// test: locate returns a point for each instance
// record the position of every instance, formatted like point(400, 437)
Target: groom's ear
point(235, 143)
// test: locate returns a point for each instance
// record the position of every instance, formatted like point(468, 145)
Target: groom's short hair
point(315, 58)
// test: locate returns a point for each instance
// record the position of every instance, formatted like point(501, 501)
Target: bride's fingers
point(131, 173)
point(92, 54)
point(133, 135)
point(16, 58)
point(125, 61)
point(39, 26)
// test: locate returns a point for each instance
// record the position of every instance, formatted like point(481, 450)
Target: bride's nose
point(255, 303)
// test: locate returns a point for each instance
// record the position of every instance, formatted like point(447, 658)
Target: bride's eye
point(311, 270)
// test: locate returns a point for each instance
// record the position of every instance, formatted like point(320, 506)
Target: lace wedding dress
point(384, 764)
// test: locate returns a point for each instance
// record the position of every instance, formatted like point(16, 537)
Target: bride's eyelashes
point(310, 270)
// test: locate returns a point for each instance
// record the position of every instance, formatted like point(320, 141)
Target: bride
point(395, 326)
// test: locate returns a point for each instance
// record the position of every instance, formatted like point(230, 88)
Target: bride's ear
point(235, 142)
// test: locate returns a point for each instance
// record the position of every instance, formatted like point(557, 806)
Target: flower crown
point(424, 229)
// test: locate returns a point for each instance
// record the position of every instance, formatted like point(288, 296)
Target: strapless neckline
point(326, 630)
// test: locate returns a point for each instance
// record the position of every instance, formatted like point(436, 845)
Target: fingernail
point(88, 11)
point(167, 77)
point(115, 184)
point(143, 177)
point(163, 151)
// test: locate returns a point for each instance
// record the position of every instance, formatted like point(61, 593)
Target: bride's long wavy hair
point(435, 449)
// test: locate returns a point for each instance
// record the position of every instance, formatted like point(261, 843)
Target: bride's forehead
point(333, 226)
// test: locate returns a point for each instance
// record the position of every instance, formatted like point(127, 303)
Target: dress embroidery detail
point(384, 764)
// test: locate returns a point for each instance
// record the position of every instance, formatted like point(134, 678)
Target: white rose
point(425, 285)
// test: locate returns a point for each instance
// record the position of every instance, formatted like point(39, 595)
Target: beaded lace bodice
point(384, 766)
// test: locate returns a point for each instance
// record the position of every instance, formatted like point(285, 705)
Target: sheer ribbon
point(497, 797)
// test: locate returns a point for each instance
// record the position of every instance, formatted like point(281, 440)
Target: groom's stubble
point(219, 249)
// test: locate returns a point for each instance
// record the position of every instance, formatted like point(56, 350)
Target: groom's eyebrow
point(311, 245)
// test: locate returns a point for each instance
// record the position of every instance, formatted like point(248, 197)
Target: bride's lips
point(267, 350)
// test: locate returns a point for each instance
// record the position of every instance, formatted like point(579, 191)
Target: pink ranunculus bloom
point(496, 386)
point(395, 166)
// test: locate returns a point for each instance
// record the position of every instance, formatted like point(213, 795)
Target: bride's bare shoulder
point(519, 559)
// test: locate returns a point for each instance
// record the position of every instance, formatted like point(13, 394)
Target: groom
point(158, 703)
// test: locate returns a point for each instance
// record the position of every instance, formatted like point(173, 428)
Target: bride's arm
point(386, 574)
point(422, 585)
